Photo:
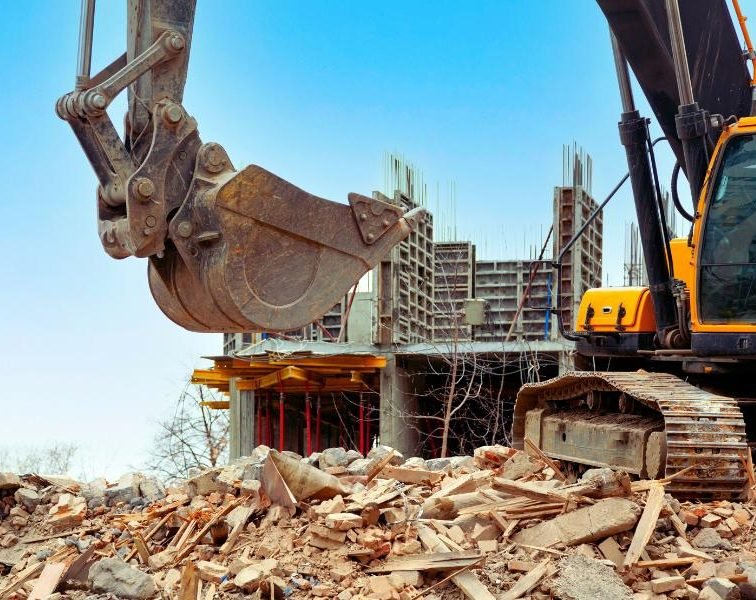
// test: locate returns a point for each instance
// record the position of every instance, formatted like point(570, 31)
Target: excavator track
point(696, 428)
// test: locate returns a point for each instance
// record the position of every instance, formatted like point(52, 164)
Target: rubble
point(500, 525)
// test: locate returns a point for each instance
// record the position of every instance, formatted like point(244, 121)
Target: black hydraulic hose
point(660, 206)
point(675, 196)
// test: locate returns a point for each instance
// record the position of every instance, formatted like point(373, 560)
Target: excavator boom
point(228, 250)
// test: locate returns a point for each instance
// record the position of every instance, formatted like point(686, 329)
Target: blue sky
point(484, 94)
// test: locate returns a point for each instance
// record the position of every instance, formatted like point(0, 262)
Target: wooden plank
point(539, 453)
point(217, 517)
point(666, 563)
point(527, 582)
point(612, 551)
point(189, 586)
point(646, 525)
point(48, 581)
point(527, 490)
point(24, 576)
point(141, 548)
point(230, 542)
point(467, 582)
point(413, 476)
point(699, 581)
point(426, 562)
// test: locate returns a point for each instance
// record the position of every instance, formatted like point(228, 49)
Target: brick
point(667, 584)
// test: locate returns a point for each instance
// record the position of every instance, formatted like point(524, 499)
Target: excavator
point(662, 387)
point(662, 382)
point(227, 250)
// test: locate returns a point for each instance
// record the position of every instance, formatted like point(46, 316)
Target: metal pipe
point(679, 56)
point(86, 32)
point(281, 438)
point(623, 77)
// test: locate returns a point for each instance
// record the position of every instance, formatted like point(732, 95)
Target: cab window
point(727, 283)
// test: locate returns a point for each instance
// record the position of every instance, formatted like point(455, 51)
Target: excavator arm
point(718, 73)
point(228, 250)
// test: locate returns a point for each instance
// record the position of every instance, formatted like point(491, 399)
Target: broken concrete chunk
point(720, 588)
point(582, 578)
point(9, 481)
point(248, 579)
point(709, 538)
point(27, 498)
point(518, 466)
point(113, 576)
point(160, 560)
point(333, 457)
point(450, 462)
point(151, 489)
point(361, 466)
point(68, 512)
point(592, 523)
point(212, 572)
point(204, 483)
point(343, 521)
point(379, 452)
point(126, 490)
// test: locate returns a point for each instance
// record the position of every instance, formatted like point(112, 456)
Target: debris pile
point(502, 524)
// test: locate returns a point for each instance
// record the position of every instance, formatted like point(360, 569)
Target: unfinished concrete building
point(518, 296)
point(453, 283)
point(573, 204)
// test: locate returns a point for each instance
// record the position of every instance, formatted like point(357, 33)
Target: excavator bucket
point(227, 250)
point(254, 252)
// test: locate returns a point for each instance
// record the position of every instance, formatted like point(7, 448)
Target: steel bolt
point(176, 41)
point(173, 114)
point(370, 237)
point(213, 159)
point(97, 101)
point(150, 220)
point(145, 188)
point(363, 217)
point(184, 229)
point(386, 222)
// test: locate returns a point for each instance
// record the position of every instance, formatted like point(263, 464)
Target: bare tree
point(194, 436)
point(55, 458)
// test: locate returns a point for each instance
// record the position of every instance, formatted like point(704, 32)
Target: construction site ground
point(502, 524)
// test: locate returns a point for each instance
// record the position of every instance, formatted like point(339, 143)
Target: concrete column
point(398, 407)
point(241, 416)
point(234, 439)
point(247, 441)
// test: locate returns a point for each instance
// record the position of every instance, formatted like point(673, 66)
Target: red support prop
point(367, 430)
point(308, 423)
point(270, 421)
point(362, 426)
point(317, 426)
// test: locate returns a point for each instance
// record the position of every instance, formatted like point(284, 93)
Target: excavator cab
point(228, 250)
point(727, 231)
